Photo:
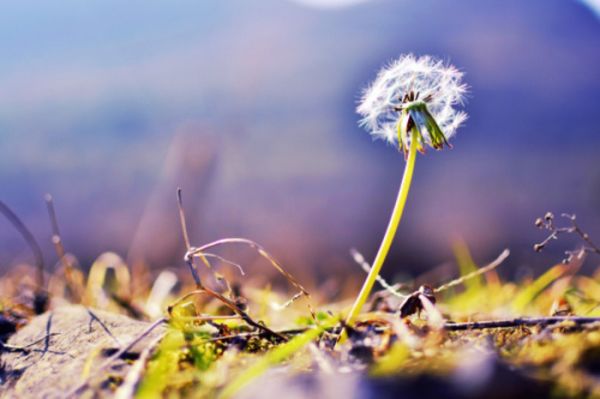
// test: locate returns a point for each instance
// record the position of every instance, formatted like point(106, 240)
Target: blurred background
point(249, 107)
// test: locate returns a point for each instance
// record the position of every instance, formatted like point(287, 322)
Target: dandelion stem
point(390, 232)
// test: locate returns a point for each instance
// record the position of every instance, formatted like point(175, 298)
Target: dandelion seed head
point(433, 82)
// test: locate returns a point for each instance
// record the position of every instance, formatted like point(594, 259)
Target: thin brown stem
point(584, 236)
point(451, 326)
point(231, 305)
point(29, 238)
point(25, 348)
point(189, 258)
point(519, 322)
point(262, 252)
point(94, 317)
point(547, 223)
point(61, 253)
point(489, 267)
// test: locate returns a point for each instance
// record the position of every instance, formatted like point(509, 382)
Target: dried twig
point(448, 326)
point(94, 317)
point(287, 303)
point(358, 258)
point(231, 305)
point(413, 303)
point(424, 297)
point(127, 388)
point(225, 260)
point(29, 238)
point(489, 267)
point(290, 332)
point(189, 260)
point(189, 256)
point(520, 322)
point(75, 288)
point(261, 251)
point(25, 348)
point(206, 318)
point(201, 289)
point(201, 252)
point(547, 223)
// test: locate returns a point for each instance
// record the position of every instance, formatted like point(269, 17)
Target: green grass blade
point(274, 357)
point(529, 293)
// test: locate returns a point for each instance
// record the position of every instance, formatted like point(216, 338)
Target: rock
point(69, 343)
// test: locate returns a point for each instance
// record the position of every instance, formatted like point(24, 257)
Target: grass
point(560, 357)
point(217, 346)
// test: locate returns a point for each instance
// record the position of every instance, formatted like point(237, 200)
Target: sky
point(249, 107)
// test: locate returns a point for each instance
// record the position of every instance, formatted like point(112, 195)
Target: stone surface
point(79, 344)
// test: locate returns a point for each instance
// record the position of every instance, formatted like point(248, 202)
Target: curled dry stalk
point(203, 254)
point(424, 297)
point(489, 267)
point(548, 223)
point(189, 257)
point(40, 301)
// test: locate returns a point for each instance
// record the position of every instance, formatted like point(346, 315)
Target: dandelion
point(421, 92)
point(413, 103)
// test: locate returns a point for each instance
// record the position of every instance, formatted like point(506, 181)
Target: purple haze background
point(250, 107)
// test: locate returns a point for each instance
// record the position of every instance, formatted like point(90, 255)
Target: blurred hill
point(93, 95)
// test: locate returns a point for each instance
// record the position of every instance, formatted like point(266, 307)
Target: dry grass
point(542, 333)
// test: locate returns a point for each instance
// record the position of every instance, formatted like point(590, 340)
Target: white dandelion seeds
point(413, 103)
point(423, 92)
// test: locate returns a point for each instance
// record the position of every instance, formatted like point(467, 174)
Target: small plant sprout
point(413, 103)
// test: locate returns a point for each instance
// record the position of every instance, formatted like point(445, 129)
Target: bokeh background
point(249, 106)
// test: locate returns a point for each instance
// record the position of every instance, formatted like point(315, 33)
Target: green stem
point(389, 233)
